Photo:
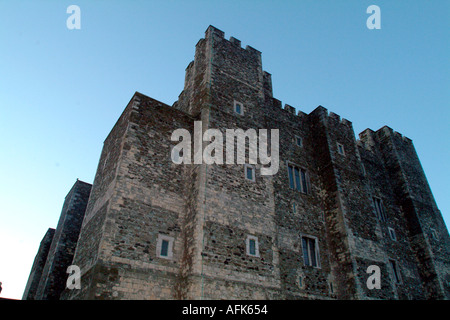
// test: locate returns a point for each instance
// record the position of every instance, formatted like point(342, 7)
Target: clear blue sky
point(61, 90)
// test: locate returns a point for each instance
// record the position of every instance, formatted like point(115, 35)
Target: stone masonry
point(38, 266)
point(48, 275)
point(154, 229)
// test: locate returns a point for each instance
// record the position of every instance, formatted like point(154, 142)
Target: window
point(434, 234)
point(381, 214)
point(300, 282)
point(297, 178)
point(310, 251)
point(238, 108)
point(395, 270)
point(164, 247)
point(340, 149)
point(392, 234)
point(249, 172)
point(252, 246)
point(298, 141)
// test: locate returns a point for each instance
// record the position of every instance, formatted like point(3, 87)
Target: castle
point(337, 207)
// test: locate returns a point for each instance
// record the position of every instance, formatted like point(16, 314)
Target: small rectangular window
point(340, 148)
point(164, 248)
point(249, 172)
point(297, 178)
point(238, 108)
point(300, 282)
point(252, 246)
point(434, 234)
point(392, 234)
point(298, 141)
point(395, 270)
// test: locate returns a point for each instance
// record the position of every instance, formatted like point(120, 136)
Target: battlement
point(213, 31)
point(387, 131)
point(324, 114)
point(368, 137)
point(289, 109)
point(319, 111)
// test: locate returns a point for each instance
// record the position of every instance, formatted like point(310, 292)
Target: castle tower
point(154, 229)
point(38, 266)
point(416, 218)
point(63, 243)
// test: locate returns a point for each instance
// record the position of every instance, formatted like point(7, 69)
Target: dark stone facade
point(208, 213)
point(51, 280)
point(38, 266)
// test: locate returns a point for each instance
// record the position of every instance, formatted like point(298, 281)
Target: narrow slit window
point(164, 248)
point(392, 234)
point(252, 246)
point(238, 108)
point(340, 149)
point(434, 234)
point(395, 270)
point(249, 172)
point(298, 141)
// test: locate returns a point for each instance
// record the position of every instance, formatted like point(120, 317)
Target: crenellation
point(301, 114)
point(213, 30)
point(346, 122)
point(253, 50)
point(398, 135)
point(277, 103)
point(334, 116)
point(289, 109)
point(235, 41)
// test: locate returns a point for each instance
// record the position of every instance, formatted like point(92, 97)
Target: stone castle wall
point(208, 213)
